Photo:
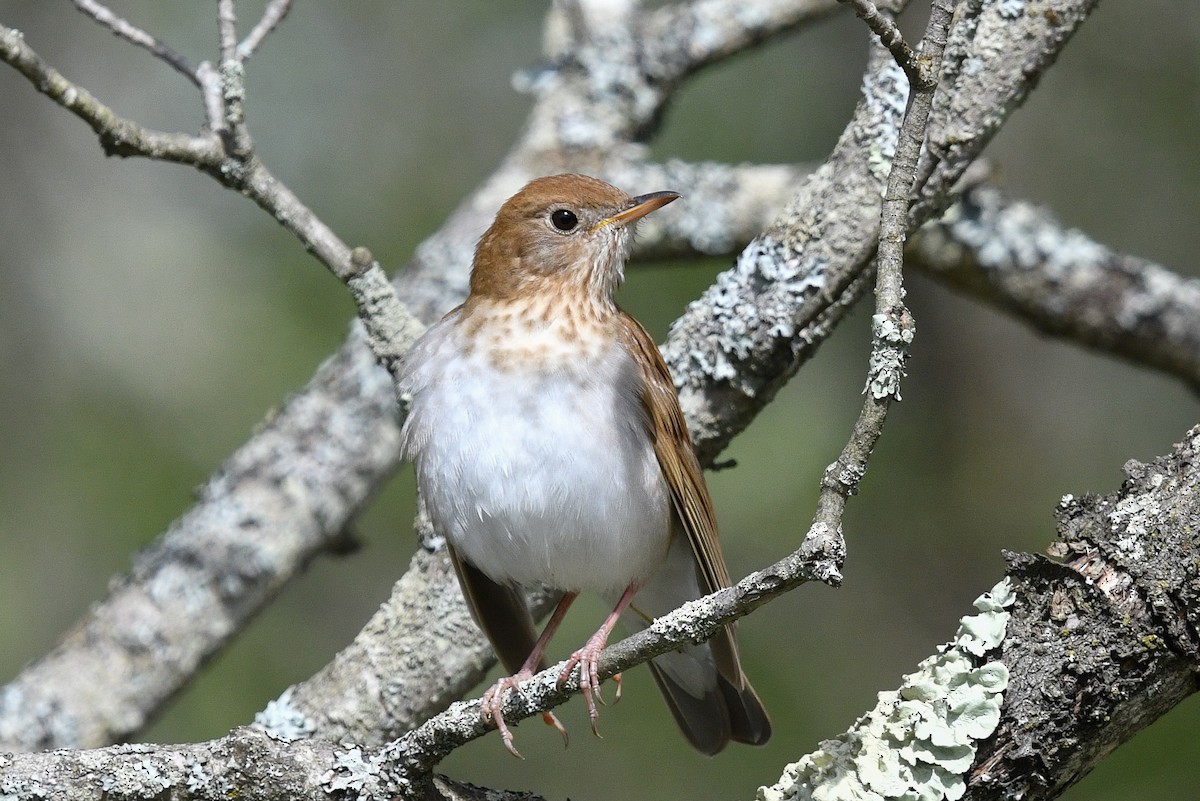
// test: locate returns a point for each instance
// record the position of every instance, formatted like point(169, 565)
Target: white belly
point(538, 478)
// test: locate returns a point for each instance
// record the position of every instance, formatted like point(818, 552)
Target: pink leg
point(588, 658)
point(492, 704)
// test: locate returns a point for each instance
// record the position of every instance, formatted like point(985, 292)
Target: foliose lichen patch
point(918, 741)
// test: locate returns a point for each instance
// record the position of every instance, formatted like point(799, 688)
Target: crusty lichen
point(886, 94)
point(887, 358)
point(919, 741)
point(282, 720)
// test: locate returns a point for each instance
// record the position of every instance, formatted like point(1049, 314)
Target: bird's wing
point(689, 494)
point(500, 611)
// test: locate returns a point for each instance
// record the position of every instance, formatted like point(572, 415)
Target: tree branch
point(1015, 255)
point(132, 33)
point(693, 35)
point(983, 90)
point(1095, 648)
point(272, 15)
point(118, 136)
point(760, 321)
point(281, 498)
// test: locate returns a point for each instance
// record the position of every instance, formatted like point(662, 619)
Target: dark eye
point(564, 219)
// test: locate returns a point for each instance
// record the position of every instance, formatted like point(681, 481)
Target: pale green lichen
point(918, 741)
point(887, 358)
point(886, 94)
point(282, 720)
point(353, 773)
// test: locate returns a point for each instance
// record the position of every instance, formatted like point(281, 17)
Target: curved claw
point(491, 710)
point(550, 719)
point(588, 660)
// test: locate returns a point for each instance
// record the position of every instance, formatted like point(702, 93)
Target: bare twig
point(273, 14)
point(118, 136)
point(889, 36)
point(214, 105)
point(131, 33)
point(893, 326)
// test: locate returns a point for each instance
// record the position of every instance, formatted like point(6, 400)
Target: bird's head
point(564, 234)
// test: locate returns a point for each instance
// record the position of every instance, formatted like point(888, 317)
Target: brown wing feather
point(689, 493)
point(500, 611)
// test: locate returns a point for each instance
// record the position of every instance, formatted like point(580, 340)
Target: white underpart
point(537, 476)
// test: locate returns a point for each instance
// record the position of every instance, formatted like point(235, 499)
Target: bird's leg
point(588, 658)
point(492, 704)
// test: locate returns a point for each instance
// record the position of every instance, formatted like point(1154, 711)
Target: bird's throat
point(544, 332)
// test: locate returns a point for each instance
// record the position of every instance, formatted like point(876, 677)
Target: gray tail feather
point(724, 713)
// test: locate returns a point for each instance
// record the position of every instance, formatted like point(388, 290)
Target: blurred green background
point(149, 318)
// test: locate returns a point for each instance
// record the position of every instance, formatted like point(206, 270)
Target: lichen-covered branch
point(747, 334)
point(282, 497)
point(1096, 645)
point(693, 35)
point(994, 59)
point(738, 343)
point(419, 652)
point(401, 768)
point(919, 740)
point(1104, 640)
point(1015, 255)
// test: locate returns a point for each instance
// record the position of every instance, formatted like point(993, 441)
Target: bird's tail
point(704, 686)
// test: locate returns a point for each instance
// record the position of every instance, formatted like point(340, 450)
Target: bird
point(550, 451)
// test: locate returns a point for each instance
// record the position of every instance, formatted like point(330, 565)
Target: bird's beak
point(639, 207)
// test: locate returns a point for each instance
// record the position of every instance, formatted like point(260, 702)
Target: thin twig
point(131, 33)
point(892, 323)
point(214, 104)
point(889, 36)
point(273, 14)
point(118, 136)
point(233, 83)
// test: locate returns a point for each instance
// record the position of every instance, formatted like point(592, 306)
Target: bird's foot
point(588, 660)
point(491, 710)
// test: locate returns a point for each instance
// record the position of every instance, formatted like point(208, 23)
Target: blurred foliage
point(148, 320)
